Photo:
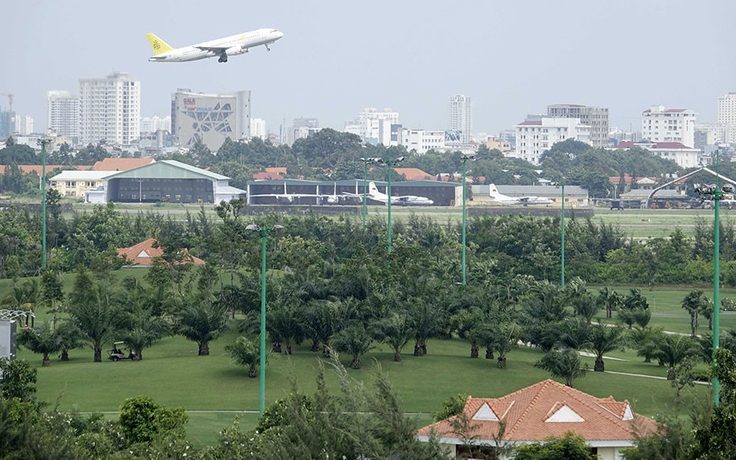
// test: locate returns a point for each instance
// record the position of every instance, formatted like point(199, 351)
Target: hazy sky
point(337, 57)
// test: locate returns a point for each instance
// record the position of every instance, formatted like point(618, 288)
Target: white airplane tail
point(493, 192)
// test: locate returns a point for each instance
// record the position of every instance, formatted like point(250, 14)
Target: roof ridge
point(596, 407)
point(542, 385)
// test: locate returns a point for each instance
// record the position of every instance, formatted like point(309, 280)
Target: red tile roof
point(121, 164)
point(142, 254)
point(547, 408)
point(415, 174)
point(25, 169)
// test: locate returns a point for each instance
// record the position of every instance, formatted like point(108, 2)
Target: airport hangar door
point(161, 182)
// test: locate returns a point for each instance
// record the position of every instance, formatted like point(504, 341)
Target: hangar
point(167, 181)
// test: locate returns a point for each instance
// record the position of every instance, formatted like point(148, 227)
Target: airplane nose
point(279, 34)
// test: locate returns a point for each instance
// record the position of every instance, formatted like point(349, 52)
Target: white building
point(110, 109)
point(534, 137)
point(258, 128)
point(62, 114)
point(727, 109)
point(210, 117)
point(23, 124)
point(421, 141)
point(685, 157)
point(668, 125)
point(155, 123)
point(596, 117)
point(375, 126)
point(460, 117)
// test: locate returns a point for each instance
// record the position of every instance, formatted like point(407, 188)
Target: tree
point(564, 364)
point(144, 326)
point(673, 349)
point(610, 299)
point(395, 330)
point(18, 380)
point(355, 341)
point(142, 419)
point(568, 447)
point(509, 334)
point(694, 302)
point(44, 341)
point(245, 353)
point(604, 339)
point(683, 375)
point(201, 323)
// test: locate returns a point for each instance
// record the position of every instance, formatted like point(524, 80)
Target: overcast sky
point(337, 57)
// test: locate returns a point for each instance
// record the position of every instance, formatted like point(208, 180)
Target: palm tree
point(603, 339)
point(506, 340)
point(694, 302)
point(245, 353)
point(463, 323)
point(43, 341)
point(395, 330)
point(354, 340)
point(646, 342)
point(564, 364)
point(284, 326)
point(673, 349)
point(610, 299)
point(319, 320)
point(202, 324)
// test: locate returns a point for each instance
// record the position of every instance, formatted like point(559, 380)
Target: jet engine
point(235, 50)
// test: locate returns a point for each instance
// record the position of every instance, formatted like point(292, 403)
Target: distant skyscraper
point(374, 126)
point(6, 119)
point(595, 117)
point(302, 128)
point(155, 123)
point(62, 114)
point(460, 116)
point(258, 128)
point(668, 125)
point(110, 109)
point(727, 109)
point(23, 124)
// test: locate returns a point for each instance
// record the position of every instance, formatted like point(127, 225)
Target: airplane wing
point(525, 199)
point(215, 49)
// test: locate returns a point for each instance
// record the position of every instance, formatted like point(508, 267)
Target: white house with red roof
point(534, 413)
point(143, 253)
point(659, 124)
point(533, 137)
point(684, 156)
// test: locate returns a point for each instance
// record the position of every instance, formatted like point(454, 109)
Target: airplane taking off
point(404, 200)
point(222, 47)
point(522, 200)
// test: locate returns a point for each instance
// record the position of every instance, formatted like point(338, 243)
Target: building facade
point(727, 109)
point(23, 125)
point(210, 117)
point(109, 109)
point(421, 141)
point(302, 128)
point(62, 114)
point(460, 116)
point(7, 119)
point(659, 124)
point(374, 126)
point(595, 117)
point(258, 128)
point(535, 136)
point(155, 123)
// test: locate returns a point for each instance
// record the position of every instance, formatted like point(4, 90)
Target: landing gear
point(223, 58)
point(267, 48)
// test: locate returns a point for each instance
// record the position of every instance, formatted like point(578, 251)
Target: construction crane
point(11, 115)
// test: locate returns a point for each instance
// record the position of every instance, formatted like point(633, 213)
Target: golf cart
point(117, 353)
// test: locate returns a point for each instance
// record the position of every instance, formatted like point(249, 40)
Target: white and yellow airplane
point(222, 47)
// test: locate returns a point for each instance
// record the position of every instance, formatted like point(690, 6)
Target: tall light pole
point(464, 159)
point(716, 276)
point(262, 361)
point(562, 243)
point(44, 142)
point(388, 194)
point(365, 184)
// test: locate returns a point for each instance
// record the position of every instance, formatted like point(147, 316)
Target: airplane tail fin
point(372, 189)
point(159, 46)
point(493, 191)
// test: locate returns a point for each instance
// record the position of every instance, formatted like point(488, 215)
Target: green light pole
point(388, 194)
point(366, 161)
point(562, 243)
point(262, 361)
point(716, 277)
point(464, 159)
point(44, 142)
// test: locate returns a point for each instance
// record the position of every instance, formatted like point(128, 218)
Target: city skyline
point(335, 60)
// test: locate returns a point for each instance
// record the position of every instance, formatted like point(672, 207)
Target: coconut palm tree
point(610, 299)
point(43, 341)
point(506, 340)
point(694, 302)
point(564, 364)
point(395, 331)
point(202, 323)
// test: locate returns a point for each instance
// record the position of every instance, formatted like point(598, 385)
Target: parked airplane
point(521, 200)
point(403, 200)
point(222, 47)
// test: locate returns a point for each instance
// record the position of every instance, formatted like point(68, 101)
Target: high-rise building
point(727, 109)
point(6, 119)
point(258, 128)
point(668, 125)
point(533, 137)
point(302, 128)
point(62, 114)
point(23, 125)
point(595, 117)
point(375, 126)
point(210, 117)
point(460, 117)
point(110, 109)
point(155, 123)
